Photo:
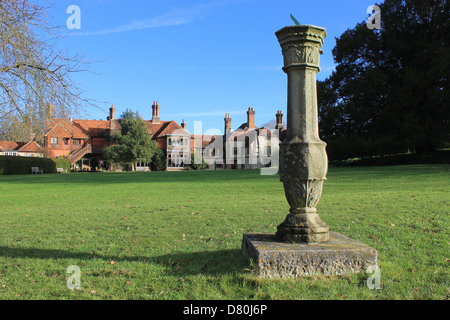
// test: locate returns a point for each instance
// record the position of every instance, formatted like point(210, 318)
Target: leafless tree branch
point(33, 73)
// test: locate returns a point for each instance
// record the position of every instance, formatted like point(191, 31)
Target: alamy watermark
point(374, 20)
point(74, 20)
point(74, 281)
point(374, 281)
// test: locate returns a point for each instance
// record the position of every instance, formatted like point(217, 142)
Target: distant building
point(83, 141)
point(247, 147)
point(22, 149)
point(172, 138)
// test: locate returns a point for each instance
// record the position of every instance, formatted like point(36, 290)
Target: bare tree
point(33, 73)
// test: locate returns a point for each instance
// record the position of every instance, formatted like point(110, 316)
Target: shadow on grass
point(176, 264)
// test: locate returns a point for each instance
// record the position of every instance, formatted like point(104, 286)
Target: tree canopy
point(389, 92)
point(133, 142)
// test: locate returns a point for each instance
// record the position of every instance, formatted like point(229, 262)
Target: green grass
point(177, 235)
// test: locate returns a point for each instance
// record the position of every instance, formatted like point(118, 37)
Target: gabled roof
point(171, 127)
point(82, 129)
point(156, 128)
point(165, 128)
point(30, 146)
point(57, 126)
point(243, 132)
point(11, 145)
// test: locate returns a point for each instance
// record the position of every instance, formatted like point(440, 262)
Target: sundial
point(303, 243)
point(295, 20)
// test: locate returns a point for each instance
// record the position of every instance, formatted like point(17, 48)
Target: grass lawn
point(177, 235)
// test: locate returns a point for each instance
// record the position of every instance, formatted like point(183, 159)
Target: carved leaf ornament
point(301, 54)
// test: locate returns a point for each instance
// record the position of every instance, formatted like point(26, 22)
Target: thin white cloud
point(173, 17)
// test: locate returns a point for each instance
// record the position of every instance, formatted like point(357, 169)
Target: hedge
point(22, 165)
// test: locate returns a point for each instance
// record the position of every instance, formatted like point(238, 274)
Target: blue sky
point(200, 59)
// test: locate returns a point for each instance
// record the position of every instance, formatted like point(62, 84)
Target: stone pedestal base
point(306, 227)
point(339, 255)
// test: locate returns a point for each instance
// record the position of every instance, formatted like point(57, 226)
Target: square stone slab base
point(339, 255)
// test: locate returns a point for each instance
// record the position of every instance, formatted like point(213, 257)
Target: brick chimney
point(112, 112)
point(183, 124)
point(279, 121)
point(251, 118)
point(227, 123)
point(50, 110)
point(155, 112)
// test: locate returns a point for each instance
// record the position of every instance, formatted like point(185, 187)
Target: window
point(53, 140)
point(268, 151)
point(66, 141)
point(169, 142)
point(11, 153)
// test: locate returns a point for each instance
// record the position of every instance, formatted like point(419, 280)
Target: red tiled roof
point(31, 146)
point(60, 130)
point(90, 128)
point(156, 128)
point(10, 145)
point(84, 129)
point(81, 129)
point(165, 128)
point(171, 127)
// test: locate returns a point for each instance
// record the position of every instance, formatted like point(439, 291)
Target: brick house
point(22, 149)
point(83, 141)
point(172, 138)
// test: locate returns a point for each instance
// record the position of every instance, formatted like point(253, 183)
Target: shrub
point(22, 165)
point(158, 162)
point(196, 166)
point(62, 163)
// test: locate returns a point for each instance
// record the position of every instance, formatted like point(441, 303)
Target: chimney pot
point(227, 122)
point(112, 111)
point(279, 120)
point(251, 118)
point(50, 109)
point(155, 112)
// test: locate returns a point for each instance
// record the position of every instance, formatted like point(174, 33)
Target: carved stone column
point(303, 159)
point(303, 244)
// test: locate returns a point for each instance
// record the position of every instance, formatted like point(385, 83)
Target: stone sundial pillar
point(303, 244)
point(303, 159)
